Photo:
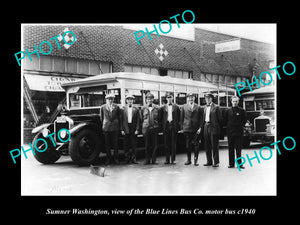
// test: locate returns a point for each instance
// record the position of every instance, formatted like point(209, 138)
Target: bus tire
point(49, 156)
point(84, 147)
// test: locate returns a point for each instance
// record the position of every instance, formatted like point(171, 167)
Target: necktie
point(150, 105)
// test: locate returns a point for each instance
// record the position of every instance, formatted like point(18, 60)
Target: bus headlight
point(63, 133)
point(45, 132)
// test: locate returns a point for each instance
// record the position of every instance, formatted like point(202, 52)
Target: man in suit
point(170, 118)
point(235, 119)
point(150, 119)
point(191, 117)
point(212, 120)
point(110, 117)
point(130, 128)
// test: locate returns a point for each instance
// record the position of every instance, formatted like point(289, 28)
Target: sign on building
point(226, 46)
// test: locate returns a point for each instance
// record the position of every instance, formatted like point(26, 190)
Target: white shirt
point(170, 113)
point(150, 108)
point(207, 113)
point(129, 114)
point(109, 107)
point(191, 105)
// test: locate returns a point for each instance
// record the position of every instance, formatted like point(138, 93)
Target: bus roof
point(109, 77)
point(263, 90)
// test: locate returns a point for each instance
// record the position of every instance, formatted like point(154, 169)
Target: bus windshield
point(91, 97)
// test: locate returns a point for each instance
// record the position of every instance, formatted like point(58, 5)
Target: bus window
point(138, 98)
point(156, 97)
point(86, 100)
point(163, 99)
point(265, 104)
point(180, 98)
point(117, 93)
point(215, 94)
point(196, 98)
point(202, 101)
point(222, 98)
point(249, 106)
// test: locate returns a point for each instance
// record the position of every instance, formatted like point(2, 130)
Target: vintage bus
point(90, 92)
point(84, 98)
point(260, 108)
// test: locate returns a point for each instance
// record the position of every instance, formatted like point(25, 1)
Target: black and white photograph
point(153, 109)
point(150, 112)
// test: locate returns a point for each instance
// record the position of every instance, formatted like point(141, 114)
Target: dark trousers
point(235, 142)
point(170, 140)
point(111, 141)
point(211, 143)
point(191, 142)
point(151, 144)
point(130, 141)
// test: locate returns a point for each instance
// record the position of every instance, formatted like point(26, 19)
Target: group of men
point(193, 120)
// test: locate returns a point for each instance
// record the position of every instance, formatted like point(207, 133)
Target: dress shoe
point(187, 163)
point(196, 162)
point(173, 163)
point(166, 162)
point(230, 166)
point(207, 164)
point(216, 165)
point(242, 167)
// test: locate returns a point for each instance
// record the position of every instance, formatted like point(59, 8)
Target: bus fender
point(84, 125)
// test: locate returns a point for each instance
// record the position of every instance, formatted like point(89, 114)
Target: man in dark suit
point(191, 120)
point(170, 118)
point(150, 119)
point(110, 117)
point(235, 119)
point(212, 120)
point(130, 128)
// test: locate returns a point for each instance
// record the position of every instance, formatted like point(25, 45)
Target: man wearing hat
point(110, 117)
point(191, 118)
point(130, 128)
point(235, 119)
point(150, 115)
point(212, 120)
point(170, 117)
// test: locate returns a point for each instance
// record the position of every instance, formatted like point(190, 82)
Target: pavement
point(66, 178)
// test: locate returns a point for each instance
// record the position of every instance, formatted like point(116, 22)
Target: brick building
point(105, 49)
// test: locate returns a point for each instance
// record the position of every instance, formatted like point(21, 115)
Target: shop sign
point(227, 46)
point(47, 83)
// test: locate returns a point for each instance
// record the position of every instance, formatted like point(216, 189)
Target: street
point(66, 178)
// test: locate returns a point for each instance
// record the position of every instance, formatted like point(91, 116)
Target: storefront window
point(44, 103)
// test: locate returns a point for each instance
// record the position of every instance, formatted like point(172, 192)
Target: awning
point(47, 83)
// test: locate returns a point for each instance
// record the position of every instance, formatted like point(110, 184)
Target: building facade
point(105, 49)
